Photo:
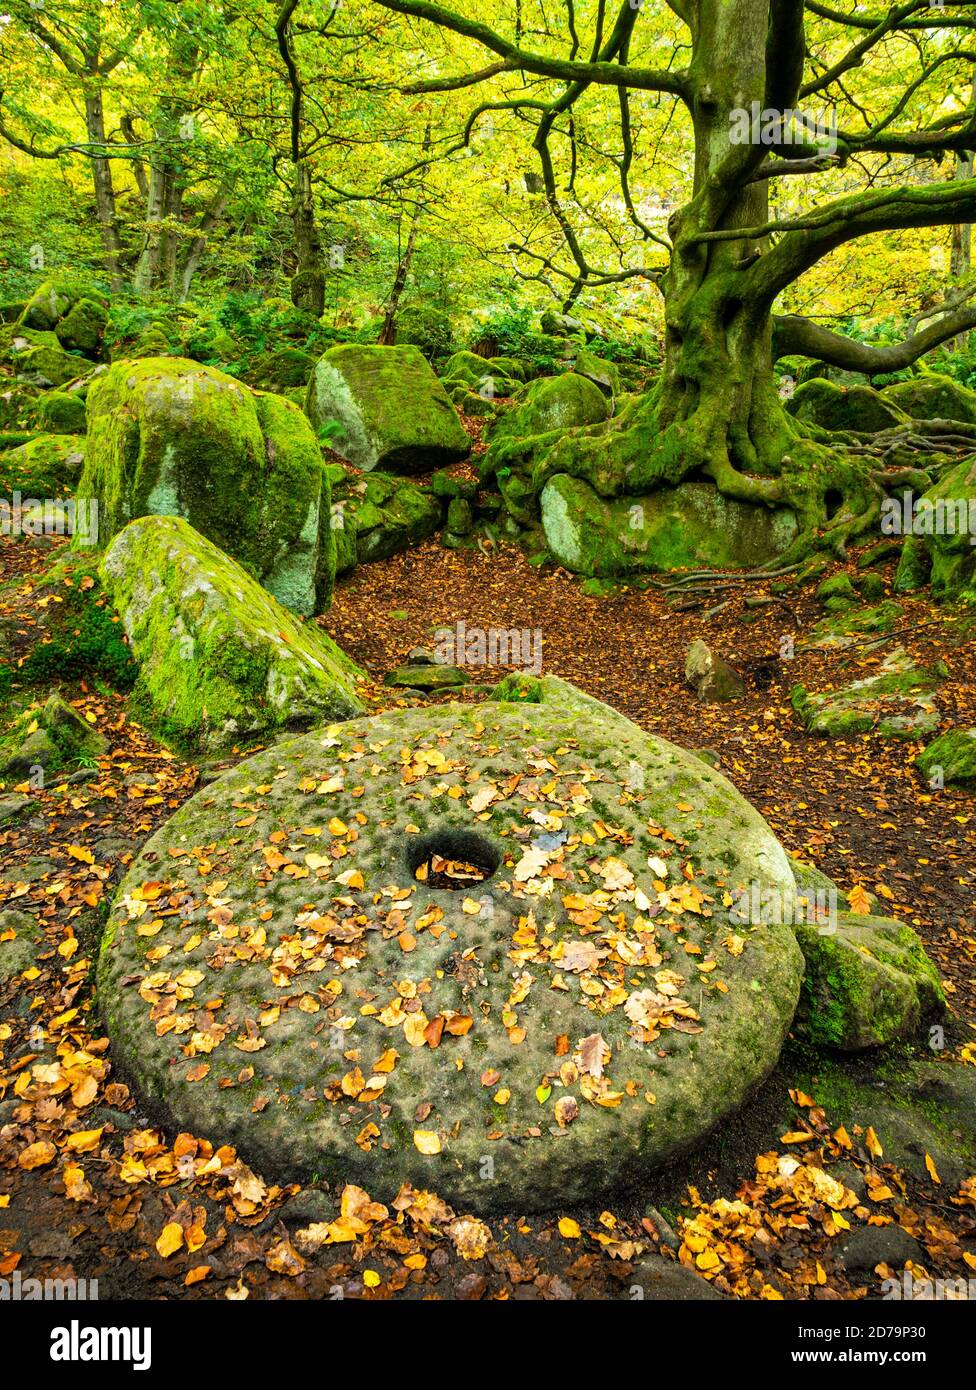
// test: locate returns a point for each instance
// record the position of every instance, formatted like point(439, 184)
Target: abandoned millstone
point(712, 679)
point(548, 1032)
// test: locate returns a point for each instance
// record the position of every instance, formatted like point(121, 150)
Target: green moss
point(61, 412)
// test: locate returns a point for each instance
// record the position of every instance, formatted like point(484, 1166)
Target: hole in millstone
point(452, 859)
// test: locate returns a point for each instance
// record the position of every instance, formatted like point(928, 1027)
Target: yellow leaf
point(933, 1172)
point(426, 1141)
point(170, 1239)
point(568, 1228)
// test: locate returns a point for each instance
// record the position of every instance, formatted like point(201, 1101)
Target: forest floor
point(88, 1187)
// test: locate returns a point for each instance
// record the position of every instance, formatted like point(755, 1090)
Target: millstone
point(561, 1004)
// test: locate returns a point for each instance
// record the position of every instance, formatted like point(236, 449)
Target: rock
point(559, 325)
point(712, 679)
point(61, 412)
point(39, 359)
point(870, 587)
point(867, 983)
point(424, 677)
point(83, 327)
point(858, 409)
point(170, 437)
point(851, 624)
point(459, 517)
point(392, 411)
point(446, 485)
point(867, 1246)
point(219, 658)
point(53, 300)
point(47, 466)
point(478, 375)
point(672, 528)
point(49, 738)
point(466, 993)
point(384, 514)
point(895, 703)
point(552, 403)
point(933, 396)
point(19, 952)
point(307, 1207)
point(13, 807)
point(940, 548)
point(879, 553)
point(421, 656)
point(666, 1281)
point(950, 759)
point(598, 370)
point(285, 369)
point(837, 592)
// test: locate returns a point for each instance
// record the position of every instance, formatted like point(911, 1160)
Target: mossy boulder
point(478, 375)
point(563, 1043)
point(951, 759)
point(940, 549)
point(38, 359)
point(220, 660)
point(52, 300)
point(837, 593)
point(83, 327)
point(49, 465)
point(283, 370)
point(867, 982)
point(170, 437)
point(692, 524)
point(933, 396)
point(61, 412)
point(553, 403)
point(894, 703)
point(599, 370)
point(845, 408)
point(385, 513)
point(47, 738)
point(392, 412)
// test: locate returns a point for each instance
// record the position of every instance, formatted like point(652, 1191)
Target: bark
point(308, 283)
point(104, 188)
point(388, 331)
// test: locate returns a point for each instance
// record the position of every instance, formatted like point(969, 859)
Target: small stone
point(712, 678)
point(867, 1246)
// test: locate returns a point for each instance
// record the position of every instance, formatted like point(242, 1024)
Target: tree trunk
point(388, 331)
point(104, 188)
point(308, 282)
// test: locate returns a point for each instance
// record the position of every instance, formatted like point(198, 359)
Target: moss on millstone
point(169, 437)
point(933, 396)
point(952, 756)
point(220, 660)
point(61, 412)
point(850, 409)
point(867, 982)
point(392, 411)
point(474, 991)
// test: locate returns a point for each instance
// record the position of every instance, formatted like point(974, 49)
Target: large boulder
point(38, 359)
point(219, 659)
point(170, 437)
point(61, 412)
point(692, 524)
point(553, 403)
point(939, 549)
point(867, 982)
point(847, 408)
point(934, 397)
point(566, 1021)
point(390, 410)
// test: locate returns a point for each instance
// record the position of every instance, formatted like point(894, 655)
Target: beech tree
point(724, 259)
